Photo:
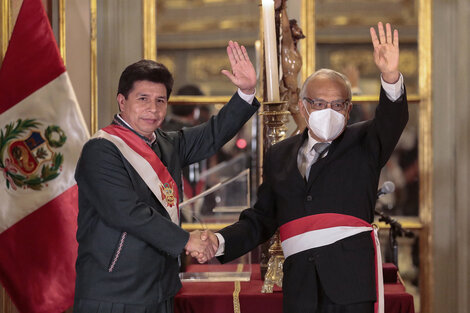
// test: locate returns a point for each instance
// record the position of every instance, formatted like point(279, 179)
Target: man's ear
point(302, 109)
point(121, 100)
point(350, 106)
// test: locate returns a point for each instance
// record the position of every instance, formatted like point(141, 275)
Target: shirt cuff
point(244, 96)
point(393, 91)
point(221, 249)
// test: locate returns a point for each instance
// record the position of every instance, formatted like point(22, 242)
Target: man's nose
point(153, 106)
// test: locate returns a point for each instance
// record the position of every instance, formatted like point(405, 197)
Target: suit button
point(309, 198)
point(311, 259)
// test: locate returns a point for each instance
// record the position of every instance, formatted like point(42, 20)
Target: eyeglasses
point(320, 104)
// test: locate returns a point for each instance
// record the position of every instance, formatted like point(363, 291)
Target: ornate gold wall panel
point(207, 66)
point(425, 154)
point(188, 24)
point(308, 45)
point(62, 29)
point(149, 29)
point(5, 27)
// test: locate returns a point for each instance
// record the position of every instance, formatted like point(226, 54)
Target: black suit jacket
point(344, 182)
point(113, 200)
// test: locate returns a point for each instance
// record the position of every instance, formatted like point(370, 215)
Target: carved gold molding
point(363, 59)
point(62, 27)
point(413, 98)
point(149, 29)
point(5, 27)
point(181, 4)
point(169, 61)
point(206, 100)
point(210, 226)
point(308, 45)
point(199, 100)
point(239, 22)
point(425, 154)
point(93, 69)
point(236, 292)
point(207, 66)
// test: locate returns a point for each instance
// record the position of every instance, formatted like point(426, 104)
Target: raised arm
point(386, 52)
point(391, 114)
point(243, 73)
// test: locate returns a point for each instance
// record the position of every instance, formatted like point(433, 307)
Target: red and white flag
point(41, 135)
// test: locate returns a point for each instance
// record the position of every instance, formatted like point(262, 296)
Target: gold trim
point(198, 226)
point(6, 20)
point(201, 100)
point(236, 292)
point(356, 40)
point(93, 69)
point(62, 27)
point(400, 279)
point(209, 100)
point(369, 98)
point(425, 154)
point(195, 44)
point(405, 224)
point(149, 29)
point(308, 45)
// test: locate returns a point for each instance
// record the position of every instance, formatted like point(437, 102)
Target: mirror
point(192, 36)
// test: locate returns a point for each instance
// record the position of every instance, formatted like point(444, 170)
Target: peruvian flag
point(41, 134)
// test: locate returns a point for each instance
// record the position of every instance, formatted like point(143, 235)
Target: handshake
point(202, 245)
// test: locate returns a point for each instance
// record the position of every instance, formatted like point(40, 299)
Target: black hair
point(145, 70)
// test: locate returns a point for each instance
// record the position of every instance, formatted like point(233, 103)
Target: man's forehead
point(149, 87)
point(323, 83)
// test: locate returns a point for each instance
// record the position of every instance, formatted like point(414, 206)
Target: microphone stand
point(395, 230)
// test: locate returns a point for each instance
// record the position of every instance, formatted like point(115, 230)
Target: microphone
point(387, 187)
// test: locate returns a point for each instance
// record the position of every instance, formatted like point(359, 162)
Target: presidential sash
point(320, 230)
point(147, 164)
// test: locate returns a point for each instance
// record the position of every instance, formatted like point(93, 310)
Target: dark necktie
point(320, 149)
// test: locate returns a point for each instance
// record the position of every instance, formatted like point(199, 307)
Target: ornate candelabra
point(275, 114)
point(275, 117)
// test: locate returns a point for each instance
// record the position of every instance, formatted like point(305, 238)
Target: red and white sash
point(320, 230)
point(147, 165)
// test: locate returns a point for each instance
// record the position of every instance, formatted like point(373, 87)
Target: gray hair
point(333, 75)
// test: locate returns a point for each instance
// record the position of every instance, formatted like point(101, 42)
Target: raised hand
point(199, 247)
point(243, 73)
point(386, 52)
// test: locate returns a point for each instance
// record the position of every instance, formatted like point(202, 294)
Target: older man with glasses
point(319, 188)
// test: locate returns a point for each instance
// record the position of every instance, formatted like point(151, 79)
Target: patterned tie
point(320, 149)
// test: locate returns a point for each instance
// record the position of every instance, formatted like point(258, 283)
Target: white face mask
point(326, 124)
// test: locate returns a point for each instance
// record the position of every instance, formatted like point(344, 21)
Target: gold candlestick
point(275, 116)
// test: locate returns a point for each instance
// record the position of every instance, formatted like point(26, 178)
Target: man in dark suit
point(129, 182)
point(320, 189)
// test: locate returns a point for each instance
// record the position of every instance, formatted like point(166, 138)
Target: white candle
point(270, 51)
point(258, 57)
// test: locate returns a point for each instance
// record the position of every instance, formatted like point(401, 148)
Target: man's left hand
point(243, 73)
point(386, 52)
